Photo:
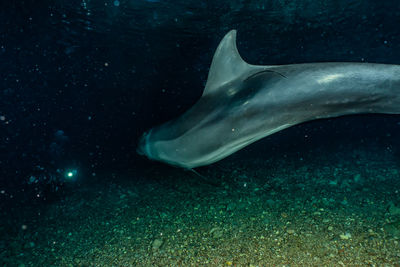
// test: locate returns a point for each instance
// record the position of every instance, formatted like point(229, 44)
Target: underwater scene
point(199, 133)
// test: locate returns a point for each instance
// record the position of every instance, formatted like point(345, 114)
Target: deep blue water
point(81, 80)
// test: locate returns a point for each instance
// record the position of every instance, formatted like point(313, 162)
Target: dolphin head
point(186, 141)
point(172, 146)
point(157, 145)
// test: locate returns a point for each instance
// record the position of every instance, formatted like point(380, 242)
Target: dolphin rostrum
point(243, 103)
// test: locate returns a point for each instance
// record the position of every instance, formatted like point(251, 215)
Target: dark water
point(104, 71)
point(81, 80)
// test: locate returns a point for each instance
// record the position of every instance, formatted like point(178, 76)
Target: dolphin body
point(243, 103)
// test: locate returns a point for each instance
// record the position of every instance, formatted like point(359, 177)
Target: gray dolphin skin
point(243, 103)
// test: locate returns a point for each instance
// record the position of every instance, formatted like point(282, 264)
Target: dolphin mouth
point(143, 147)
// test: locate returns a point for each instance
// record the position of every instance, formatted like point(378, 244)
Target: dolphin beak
point(143, 145)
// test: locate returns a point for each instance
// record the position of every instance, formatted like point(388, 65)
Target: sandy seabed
point(341, 210)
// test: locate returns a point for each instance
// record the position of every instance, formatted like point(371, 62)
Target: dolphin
point(242, 103)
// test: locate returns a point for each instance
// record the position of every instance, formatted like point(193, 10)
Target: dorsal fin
point(226, 65)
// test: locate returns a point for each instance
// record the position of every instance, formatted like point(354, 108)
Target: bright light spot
point(330, 77)
point(116, 3)
point(71, 174)
point(232, 91)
